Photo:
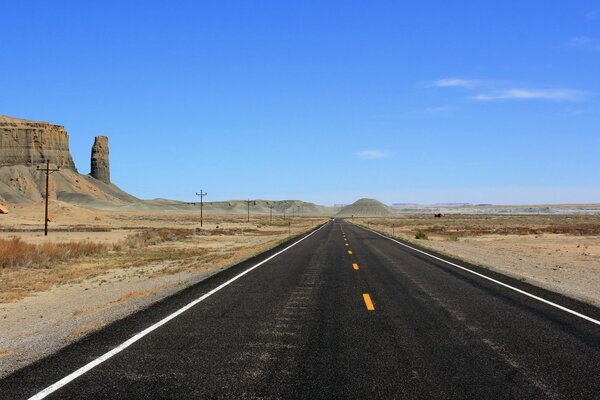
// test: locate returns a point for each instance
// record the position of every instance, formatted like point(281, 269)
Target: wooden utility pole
point(248, 202)
point(271, 211)
point(47, 171)
point(201, 194)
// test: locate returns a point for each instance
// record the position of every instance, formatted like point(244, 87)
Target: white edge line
point(74, 375)
point(592, 320)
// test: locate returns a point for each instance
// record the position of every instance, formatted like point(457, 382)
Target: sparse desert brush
point(151, 237)
point(14, 253)
point(421, 235)
point(452, 238)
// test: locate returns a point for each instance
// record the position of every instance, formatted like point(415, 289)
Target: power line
point(201, 194)
point(271, 210)
point(248, 202)
point(47, 171)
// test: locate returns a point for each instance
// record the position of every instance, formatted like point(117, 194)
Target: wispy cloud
point(532, 94)
point(457, 82)
point(484, 90)
point(372, 154)
point(593, 15)
point(585, 42)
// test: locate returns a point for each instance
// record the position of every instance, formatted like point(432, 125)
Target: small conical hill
point(365, 208)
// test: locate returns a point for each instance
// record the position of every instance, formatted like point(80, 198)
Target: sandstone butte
point(26, 145)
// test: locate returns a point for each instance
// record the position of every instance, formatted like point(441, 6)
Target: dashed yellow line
point(346, 244)
point(368, 302)
point(355, 266)
point(349, 251)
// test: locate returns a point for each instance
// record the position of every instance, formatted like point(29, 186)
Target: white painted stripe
point(550, 303)
point(74, 375)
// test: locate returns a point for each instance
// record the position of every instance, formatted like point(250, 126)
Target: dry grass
point(26, 267)
point(461, 226)
point(15, 253)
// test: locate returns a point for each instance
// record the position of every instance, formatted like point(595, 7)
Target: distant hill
point(366, 208)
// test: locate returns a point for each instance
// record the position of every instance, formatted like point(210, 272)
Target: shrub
point(421, 235)
point(14, 253)
point(452, 238)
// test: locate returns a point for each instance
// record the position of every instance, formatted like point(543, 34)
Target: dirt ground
point(557, 252)
point(45, 307)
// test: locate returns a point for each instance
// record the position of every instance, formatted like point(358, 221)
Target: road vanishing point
point(339, 313)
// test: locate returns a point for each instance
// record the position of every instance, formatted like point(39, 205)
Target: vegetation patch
point(15, 253)
point(421, 235)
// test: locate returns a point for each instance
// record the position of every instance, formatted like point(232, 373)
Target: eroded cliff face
point(25, 145)
point(100, 164)
point(32, 143)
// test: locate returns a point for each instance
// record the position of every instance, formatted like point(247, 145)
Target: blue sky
point(433, 101)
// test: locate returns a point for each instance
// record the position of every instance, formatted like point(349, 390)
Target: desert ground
point(557, 252)
point(98, 266)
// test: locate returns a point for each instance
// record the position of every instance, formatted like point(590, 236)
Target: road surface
point(343, 314)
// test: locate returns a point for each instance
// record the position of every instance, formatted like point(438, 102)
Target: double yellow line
point(366, 297)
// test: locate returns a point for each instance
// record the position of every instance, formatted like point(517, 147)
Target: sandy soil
point(44, 309)
point(559, 253)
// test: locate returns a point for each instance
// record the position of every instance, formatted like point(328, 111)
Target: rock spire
point(100, 165)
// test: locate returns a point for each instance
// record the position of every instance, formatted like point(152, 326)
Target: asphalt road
point(324, 320)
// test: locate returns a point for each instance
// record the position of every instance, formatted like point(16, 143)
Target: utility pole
point(298, 211)
point(201, 194)
point(393, 233)
point(271, 211)
point(284, 214)
point(248, 202)
point(47, 171)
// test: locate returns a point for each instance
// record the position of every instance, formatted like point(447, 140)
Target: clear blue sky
point(327, 101)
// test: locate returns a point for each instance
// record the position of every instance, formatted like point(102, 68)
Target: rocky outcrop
point(25, 145)
point(32, 143)
point(100, 164)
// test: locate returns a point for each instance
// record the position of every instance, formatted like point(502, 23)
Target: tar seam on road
point(368, 302)
point(74, 375)
point(568, 310)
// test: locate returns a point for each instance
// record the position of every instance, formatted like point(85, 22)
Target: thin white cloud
point(532, 94)
point(585, 42)
point(593, 15)
point(457, 82)
point(372, 154)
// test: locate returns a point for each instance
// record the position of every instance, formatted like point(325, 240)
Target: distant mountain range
point(431, 205)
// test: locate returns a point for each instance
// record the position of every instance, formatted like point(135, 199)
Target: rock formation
point(366, 208)
point(25, 145)
point(32, 143)
point(100, 165)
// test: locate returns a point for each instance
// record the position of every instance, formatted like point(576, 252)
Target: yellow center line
point(349, 251)
point(368, 302)
point(355, 266)
point(346, 244)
